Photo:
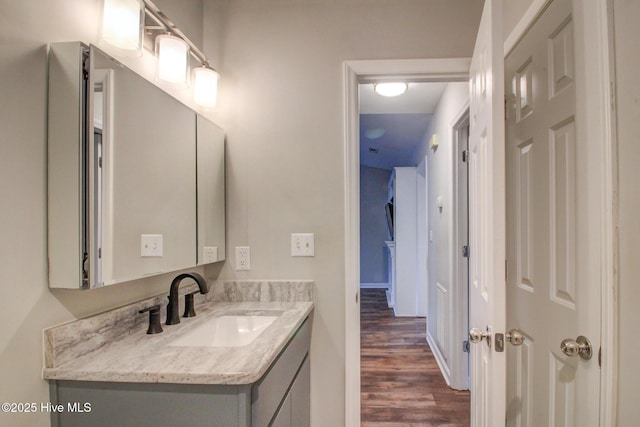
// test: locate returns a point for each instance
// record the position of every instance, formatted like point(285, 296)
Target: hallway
point(401, 384)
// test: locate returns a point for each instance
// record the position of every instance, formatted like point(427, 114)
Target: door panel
point(550, 285)
point(487, 221)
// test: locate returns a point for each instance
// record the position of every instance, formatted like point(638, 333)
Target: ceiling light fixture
point(390, 89)
point(374, 133)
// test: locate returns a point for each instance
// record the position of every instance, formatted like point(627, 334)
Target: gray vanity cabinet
point(299, 394)
point(295, 409)
point(283, 416)
point(279, 399)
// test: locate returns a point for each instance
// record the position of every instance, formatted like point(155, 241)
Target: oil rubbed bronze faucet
point(172, 308)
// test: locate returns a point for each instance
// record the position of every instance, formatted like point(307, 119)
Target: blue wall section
point(373, 224)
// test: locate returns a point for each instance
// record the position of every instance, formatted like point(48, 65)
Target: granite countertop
point(131, 355)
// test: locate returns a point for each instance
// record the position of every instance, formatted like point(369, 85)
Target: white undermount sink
point(225, 331)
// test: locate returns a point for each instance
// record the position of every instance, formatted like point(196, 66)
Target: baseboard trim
point(440, 360)
point(374, 286)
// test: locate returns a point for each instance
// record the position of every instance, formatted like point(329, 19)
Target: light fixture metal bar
point(162, 19)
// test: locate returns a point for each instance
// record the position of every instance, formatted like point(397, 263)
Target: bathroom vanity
point(106, 371)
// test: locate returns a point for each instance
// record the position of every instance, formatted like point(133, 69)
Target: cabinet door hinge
point(465, 346)
point(465, 251)
point(465, 156)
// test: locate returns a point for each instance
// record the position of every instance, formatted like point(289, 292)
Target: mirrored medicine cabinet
point(135, 177)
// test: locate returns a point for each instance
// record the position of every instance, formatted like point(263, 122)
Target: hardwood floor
point(401, 384)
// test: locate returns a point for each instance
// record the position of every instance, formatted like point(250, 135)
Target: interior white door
point(487, 220)
point(552, 224)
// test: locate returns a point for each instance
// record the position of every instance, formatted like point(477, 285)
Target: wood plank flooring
point(401, 384)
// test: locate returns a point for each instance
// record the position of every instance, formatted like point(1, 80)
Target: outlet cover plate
point(209, 254)
point(243, 258)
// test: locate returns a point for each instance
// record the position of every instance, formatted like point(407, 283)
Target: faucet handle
point(154, 319)
point(189, 310)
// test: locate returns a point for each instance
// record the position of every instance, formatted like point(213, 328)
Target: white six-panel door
point(552, 224)
point(487, 220)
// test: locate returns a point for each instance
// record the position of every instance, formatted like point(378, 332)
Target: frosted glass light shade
point(123, 24)
point(173, 60)
point(391, 88)
point(205, 87)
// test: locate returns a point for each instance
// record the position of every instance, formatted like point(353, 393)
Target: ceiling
point(392, 129)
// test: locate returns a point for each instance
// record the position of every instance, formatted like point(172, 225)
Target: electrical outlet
point(302, 244)
point(243, 258)
point(209, 254)
point(151, 245)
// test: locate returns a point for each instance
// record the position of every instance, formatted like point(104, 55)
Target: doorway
point(460, 251)
point(401, 381)
point(356, 72)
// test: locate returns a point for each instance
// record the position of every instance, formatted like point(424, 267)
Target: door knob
point(515, 337)
point(476, 336)
point(581, 346)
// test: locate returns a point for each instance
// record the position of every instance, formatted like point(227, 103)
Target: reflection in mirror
point(147, 206)
point(211, 203)
point(122, 175)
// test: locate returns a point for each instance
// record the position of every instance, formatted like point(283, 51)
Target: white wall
point(627, 33)
point(27, 305)
point(374, 195)
point(440, 184)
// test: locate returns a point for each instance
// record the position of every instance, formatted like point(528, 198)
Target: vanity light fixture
point(390, 89)
point(173, 60)
point(205, 86)
point(205, 78)
point(128, 24)
point(122, 25)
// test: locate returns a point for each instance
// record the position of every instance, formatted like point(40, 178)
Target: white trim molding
point(374, 286)
point(440, 359)
point(354, 72)
point(535, 9)
point(458, 272)
point(599, 18)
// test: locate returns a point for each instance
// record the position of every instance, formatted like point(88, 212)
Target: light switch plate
point(302, 244)
point(151, 245)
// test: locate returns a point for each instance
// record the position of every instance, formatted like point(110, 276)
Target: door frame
point(422, 249)
point(354, 73)
point(599, 16)
point(453, 69)
point(459, 271)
